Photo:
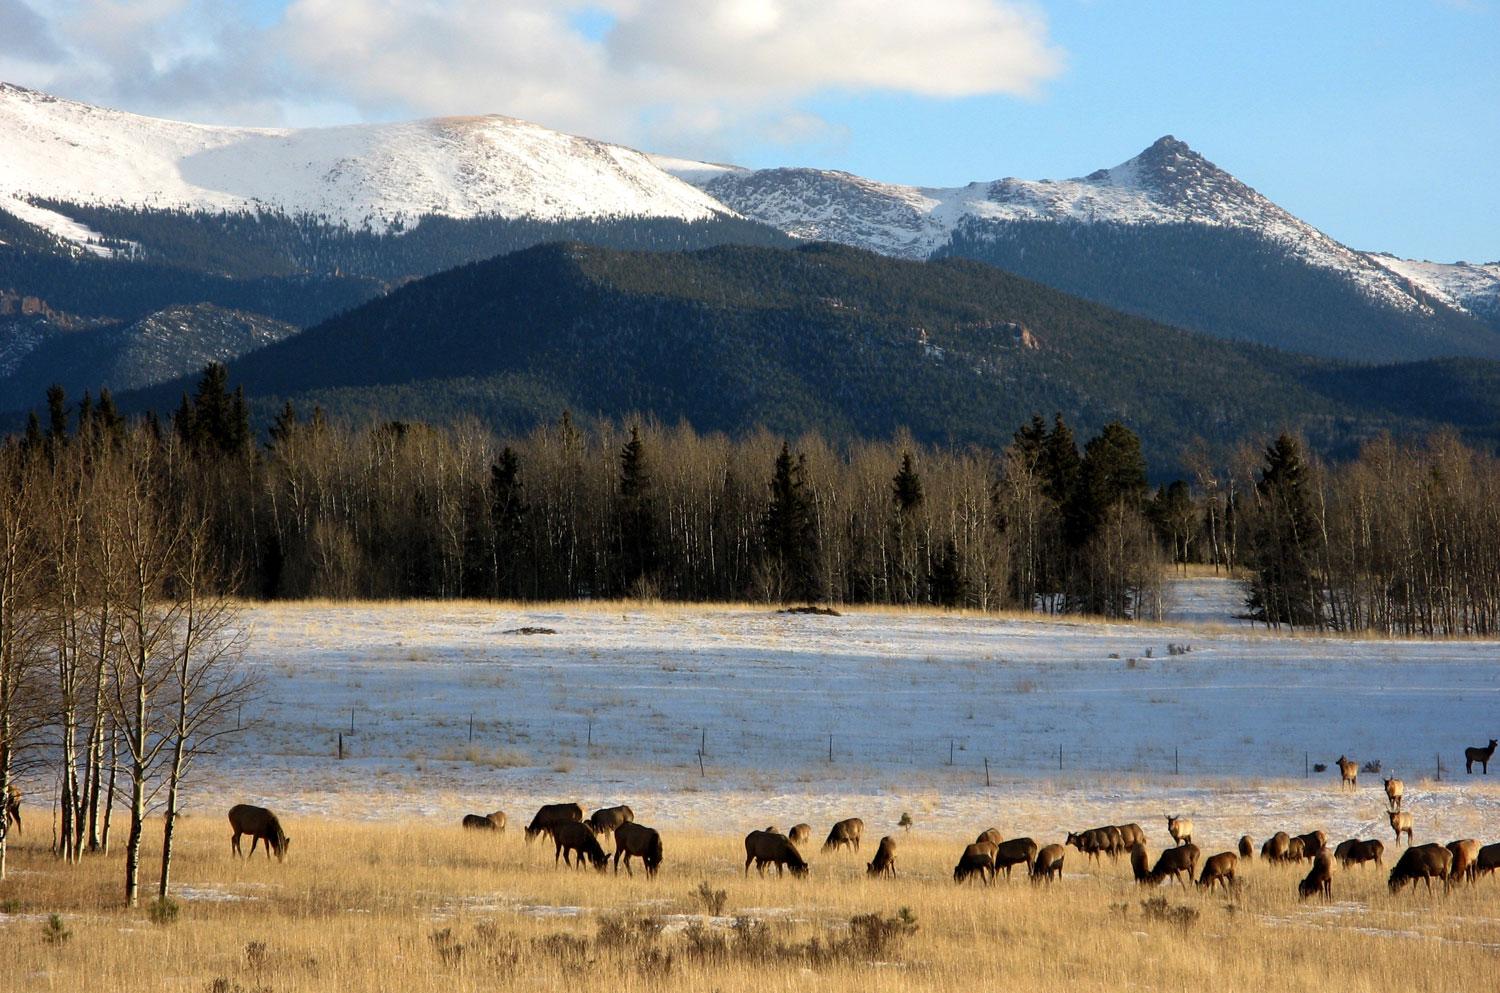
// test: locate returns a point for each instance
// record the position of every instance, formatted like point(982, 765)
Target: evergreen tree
point(86, 415)
point(1113, 469)
point(947, 577)
point(906, 491)
point(283, 427)
point(32, 441)
point(1060, 465)
point(789, 534)
point(107, 417)
point(907, 486)
point(508, 519)
point(57, 415)
point(1031, 440)
point(638, 551)
point(1285, 589)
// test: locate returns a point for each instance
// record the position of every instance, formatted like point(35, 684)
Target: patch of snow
point(1467, 286)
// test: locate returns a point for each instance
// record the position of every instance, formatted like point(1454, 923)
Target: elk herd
point(576, 841)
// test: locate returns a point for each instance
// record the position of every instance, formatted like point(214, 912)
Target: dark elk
point(978, 859)
point(262, 826)
point(638, 841)
point(575, 840)
point(1480, 755)
point(763, 847)
point(1016, 851)
point(884, 862)
point(1355, 852)
point(1219, 869)
point(1319, 879)
point(800, 833)
point(606, 819)
point(845, 833)
point(1247, 846)
point(1176, 862)
point(13, 806)
point(1048, 864)
point(1424, 862)
point(550, 815)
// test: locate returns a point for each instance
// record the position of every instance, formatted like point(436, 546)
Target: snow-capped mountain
point(1168, 183)
point(1474, 287)
point(57, 149)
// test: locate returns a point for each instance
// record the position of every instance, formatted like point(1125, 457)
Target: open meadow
point(711, 721)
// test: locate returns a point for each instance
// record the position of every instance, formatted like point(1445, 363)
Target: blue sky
point(1377, 121)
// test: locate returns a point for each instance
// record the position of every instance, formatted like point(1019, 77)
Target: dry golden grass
point(422, 906)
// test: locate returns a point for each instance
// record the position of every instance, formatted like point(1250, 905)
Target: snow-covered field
point(914, 704)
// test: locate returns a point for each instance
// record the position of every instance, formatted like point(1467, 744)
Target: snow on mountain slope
point(1474, 287)
point(1167, 183)
point(375, 173)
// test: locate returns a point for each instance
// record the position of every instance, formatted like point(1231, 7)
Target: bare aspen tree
point(22, 624)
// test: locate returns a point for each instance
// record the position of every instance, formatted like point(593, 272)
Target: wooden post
point(703, 742)
point(701, 773)
point(591, 732)
point(341, 744)
point(986, 770)
point(238, 711)
point(830, 749)
point(351, 720)
point(1059, 758)
point(950, 751)
point(471, 727)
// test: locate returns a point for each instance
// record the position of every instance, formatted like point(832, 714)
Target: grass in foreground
point(425, 907)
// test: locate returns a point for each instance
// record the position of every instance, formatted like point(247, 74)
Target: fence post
point(471, 727)
point(1059, 758)
point(591, 732)
point(986, 770)
point(950, 751)
point(1176, 763)
point(341, 744)
point(351, 720)
point(830, 749)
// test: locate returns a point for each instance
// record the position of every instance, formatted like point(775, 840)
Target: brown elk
point(1319, 879)
point(1395, 789)
point(1140, 864)
point(1048, 864)
point(1424, 862)
point(845, 833)
point(485, 822)
point(1176, 862)
point(550, 815)
point(1016, 851)
point(1401, 823)
point(1465, 859)
point(992, 835)
point(800, 833)
point(1091, 842)
point(1313, 842)
point(634, 840)
point(262, 826)
point(1356, 852)
point(884, 862)
point(762, 847)
point(606, 819)
point(575, 840)
point(13, 796)
point(1219, 869)
point(1247, 846)
point(1180, 828)
point(1296, 850)
point(1480, 755)
point(978, 859)
point(1275, 847)
point(1488, 860)
point(1130, 836)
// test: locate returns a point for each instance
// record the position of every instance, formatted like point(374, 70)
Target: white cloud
point(701, 76)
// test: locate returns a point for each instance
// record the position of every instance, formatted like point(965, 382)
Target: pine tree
point(907, 486)
point(283, 427)
point(789, 535)
point(1284, 542)
point(107, 417)
point(947, 577)
point(1060, 465)
point(507, 517)
point(1112, 470)
point(57, 415)
point(638, 551)
point(906, 491)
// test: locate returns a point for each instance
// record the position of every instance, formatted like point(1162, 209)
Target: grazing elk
point(1016, 851)
point(762, 847)
point(1296, 850)
point(1130, 836)
point(1275, 847)
point(1424, 862)
point(844, 833)
point(1394, 790)
point(1140, 864)
point(1219, 869)
point(606, 819)
point(978, 859)
point(549, 815)
point(1247, 846)
point(1465, 858)
point(262, 826)
point(1319, 879)
point(485, 822)
point(1091, 842)
point(575, 840)
point(992, 835)
point(800, 833)
point(884, 862)
point(1356, 852)
point(1313, 842)
point(13, 796)
point(1480, 755)
point(1048, 864)
point(1401, 823)
point(1180, 828)
point(1348, 773)
point(1176, 862)
point(1488, 860)
point(634, 840)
